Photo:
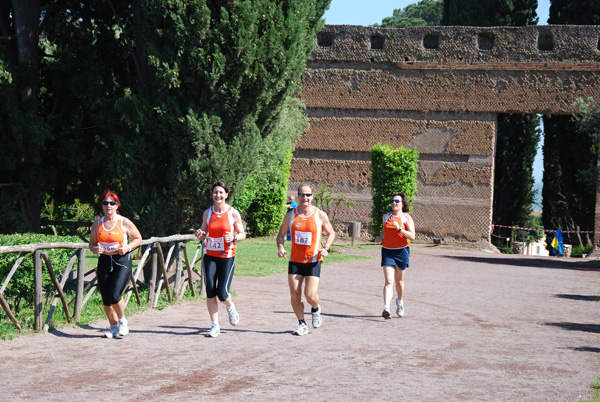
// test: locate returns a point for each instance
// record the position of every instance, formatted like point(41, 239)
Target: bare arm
point(133, 233)
point(94, 246)
point(238, 234)
point(201, 233)
point(328, 227)
point(410, 231)
point(281, 235)
point(379, 239)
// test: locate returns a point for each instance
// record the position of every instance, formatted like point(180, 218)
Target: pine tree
point(423, 13)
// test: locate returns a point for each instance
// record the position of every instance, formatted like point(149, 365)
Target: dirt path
point(478, 327)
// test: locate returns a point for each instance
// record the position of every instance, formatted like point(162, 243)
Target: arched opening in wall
point(518, 185)
point(569, 177)
point(544, 180)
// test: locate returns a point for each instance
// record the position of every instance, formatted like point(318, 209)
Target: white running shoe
point(112, 332)
point(214, 331)
point(123, 327)
point(317, 320)
point(234, 317)
point(399, 309)
point(386, 313)
point(301, 330)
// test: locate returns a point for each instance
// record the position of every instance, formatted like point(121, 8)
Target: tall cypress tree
point(568, 202)
point(574, 12)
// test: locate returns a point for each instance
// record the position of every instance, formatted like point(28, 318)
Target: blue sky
point(369, 12)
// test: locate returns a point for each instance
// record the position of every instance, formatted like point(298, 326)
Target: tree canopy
point(155, 99)
point(423, 13)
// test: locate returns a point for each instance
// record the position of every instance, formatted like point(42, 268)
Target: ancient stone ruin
point(439, 89)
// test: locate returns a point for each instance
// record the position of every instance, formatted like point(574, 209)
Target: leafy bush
point(262, 200)
point(392, 170)
point(502, 246)
point(329, 202)
point(20, 290)
point(578, 251)
point(78, 211)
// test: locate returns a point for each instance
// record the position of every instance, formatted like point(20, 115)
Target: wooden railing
point(153, 254)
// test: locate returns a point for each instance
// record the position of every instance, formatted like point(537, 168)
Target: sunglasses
point(113, 203)
point(396, 201)
point(305, 195)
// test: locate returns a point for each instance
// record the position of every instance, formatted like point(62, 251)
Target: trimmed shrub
point(392, 170)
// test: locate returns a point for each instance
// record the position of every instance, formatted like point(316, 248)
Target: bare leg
point(119, 308)
point(310, 290)
point(295, 283)
point(399, 277)
point(388, 289)
point(228, 303)
point(213, 309)
point(111, 314)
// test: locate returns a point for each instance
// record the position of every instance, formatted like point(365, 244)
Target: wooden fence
point(153, 255)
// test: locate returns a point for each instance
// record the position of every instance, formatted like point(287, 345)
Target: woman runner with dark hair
point(221, 229)
point(398, 229)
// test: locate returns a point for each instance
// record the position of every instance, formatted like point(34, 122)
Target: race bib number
point(215, 244)
point(110, 247)
point(303, 238)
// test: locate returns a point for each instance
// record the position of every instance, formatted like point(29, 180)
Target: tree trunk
point(26, 17)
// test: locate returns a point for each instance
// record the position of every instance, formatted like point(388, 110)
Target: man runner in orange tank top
point(306, 224)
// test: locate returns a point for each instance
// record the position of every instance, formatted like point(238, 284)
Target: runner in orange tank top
point(398, 229)
point(305, 223)
point(113, 237)
point(221, 229)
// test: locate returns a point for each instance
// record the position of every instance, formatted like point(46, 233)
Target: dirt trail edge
point(478, 327)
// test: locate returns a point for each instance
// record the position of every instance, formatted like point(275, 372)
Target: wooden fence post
point(38, 298)
point(179, 271)
point(80, 285)
point(152, 282)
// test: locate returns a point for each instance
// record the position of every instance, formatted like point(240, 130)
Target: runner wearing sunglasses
point(398, 229)
point(113, 238)
point(305, 223)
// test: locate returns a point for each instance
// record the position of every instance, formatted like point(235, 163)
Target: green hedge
point(20, 290)
point(392, 170)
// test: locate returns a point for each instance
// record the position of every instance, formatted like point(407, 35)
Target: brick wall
point(438, 89)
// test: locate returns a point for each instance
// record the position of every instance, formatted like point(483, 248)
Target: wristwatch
point(326, 249)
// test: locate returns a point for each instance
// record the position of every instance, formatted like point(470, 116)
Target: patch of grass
point(258, 257)
point(595, 385)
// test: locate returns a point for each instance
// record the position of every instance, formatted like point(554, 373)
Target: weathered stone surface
point(438, 89)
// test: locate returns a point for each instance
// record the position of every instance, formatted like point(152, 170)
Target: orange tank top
point(111, 239)
point(392, 238)
point(219, 224)
point(306, 236)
